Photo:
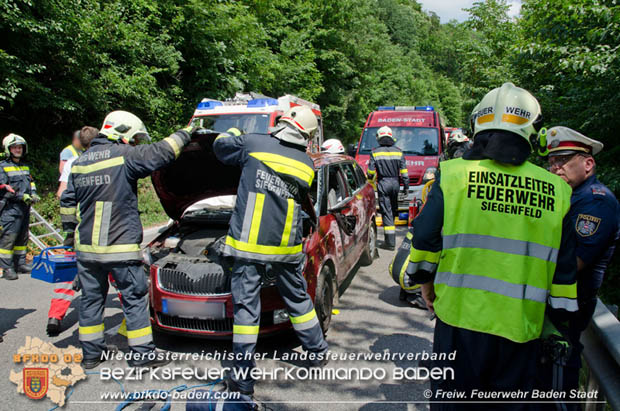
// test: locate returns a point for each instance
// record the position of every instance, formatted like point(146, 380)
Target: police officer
point(387, 163)
point(595, 217)
point(103, 190)
point(493, 270)
point(15, 207)
point(266, 233)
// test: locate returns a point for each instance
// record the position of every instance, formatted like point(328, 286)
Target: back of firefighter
point(102, 190)
point(266, 233)
point(387, 165)
point(504, 261)
point(15, 207)
point(65, 292)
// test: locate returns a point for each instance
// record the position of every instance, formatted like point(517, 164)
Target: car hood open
point(196, 175)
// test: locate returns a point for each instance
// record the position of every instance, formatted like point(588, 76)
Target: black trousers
point(484, 362)
point(387, 191)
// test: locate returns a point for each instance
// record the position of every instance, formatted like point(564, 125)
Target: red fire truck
point(419, 132)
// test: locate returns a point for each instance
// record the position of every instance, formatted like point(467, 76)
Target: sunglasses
point(560, 161)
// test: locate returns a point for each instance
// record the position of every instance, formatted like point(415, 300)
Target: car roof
point(323, 159)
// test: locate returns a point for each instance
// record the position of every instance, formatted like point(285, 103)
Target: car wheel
point(324, 298)
point(371, 246)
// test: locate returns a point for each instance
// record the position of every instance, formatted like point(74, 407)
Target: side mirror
point(352, 150)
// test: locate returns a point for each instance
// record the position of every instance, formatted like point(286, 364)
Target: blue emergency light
point(262, 102)
point(208, 105)
point(425, 108)
point(385, 108)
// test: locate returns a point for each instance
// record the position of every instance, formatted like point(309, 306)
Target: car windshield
point(421, 141)
point(247, 123)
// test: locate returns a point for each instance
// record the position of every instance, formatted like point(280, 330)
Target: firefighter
point(73, 150)
point(65, 292)
point(266, 233)
point(102, 189)
point(387, 163)
point(15, 207)
point(332, 146)
point(492, 270)
point(595, 218)
point(458, 144)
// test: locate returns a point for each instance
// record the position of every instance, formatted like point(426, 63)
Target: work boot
point(24, 269)
point(92, 362)
point(160, 359)
point(318, 363)
point(9, 274)
point(53, 327)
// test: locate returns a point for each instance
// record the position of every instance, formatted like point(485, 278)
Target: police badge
point(587, 225)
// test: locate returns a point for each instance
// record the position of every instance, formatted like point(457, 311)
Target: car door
point(341, 207)
point(358, 208)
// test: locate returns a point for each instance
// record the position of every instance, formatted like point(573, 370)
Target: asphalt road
point(371, 320)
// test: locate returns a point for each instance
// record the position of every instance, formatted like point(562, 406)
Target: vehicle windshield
point(247, 123)
point(420, 141)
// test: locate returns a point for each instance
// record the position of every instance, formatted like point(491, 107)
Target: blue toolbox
point(54, 268)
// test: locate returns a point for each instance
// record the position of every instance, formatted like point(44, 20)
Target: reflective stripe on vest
point(73, 150)
point(500, 250)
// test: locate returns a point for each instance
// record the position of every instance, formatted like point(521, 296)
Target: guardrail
point(601, 342)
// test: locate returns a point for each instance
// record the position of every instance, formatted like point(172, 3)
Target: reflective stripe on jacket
point(266, 224)
point(388, 162)
point(102, 193)
point(18, 176)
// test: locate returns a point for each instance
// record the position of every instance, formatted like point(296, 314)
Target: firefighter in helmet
point(266, 233)
point(18, 194)
point(387, 165)
point(102, 191)
point(497, 255)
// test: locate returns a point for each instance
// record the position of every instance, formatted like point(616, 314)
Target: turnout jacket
point(266, 224)
point(18, 176)
point(388, 162)
point(102, 194)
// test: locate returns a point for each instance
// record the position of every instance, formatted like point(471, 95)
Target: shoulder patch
point(586, 225)
point(598, 191)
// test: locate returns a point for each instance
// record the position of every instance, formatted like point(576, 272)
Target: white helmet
point(12, 140)
point(303, 119)
point(458, 137)
point(332, 146)
point(385, 132)
point(508, 108)
point(125, 127)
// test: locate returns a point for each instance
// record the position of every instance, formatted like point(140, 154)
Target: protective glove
point(69, 240)
point(27, 199)
point(35, 198)
point(406, 191)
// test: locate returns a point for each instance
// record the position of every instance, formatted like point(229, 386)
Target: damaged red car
point(189, 286)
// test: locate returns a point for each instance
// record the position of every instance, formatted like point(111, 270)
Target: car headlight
point(429, 174)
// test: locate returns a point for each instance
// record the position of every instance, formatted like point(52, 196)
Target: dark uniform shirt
point(595, 215)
